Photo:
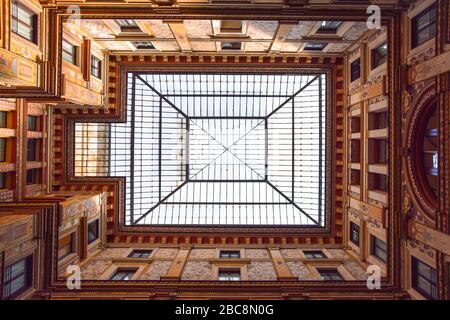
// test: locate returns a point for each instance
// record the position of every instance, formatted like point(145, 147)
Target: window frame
point(377, 60)
point(27, 273)
point(33, 150)
point(3, 147)
point(376, 247)
point(414, 281)
point(226, 274)
point(73, 54)
point(352, 233)
point(314, 254)
point(96, 67)
point(15, 21)
point(415, 30)
point(3, 119)
point(352, 71)
point(140, 253)
point(229, 254)
point(128, 272)
point(97, 231)
point(310, 46)
point(326, 272)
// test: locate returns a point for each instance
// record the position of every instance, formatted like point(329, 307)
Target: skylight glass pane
point(221, 149)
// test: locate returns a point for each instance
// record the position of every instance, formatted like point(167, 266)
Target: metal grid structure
point(221, 149)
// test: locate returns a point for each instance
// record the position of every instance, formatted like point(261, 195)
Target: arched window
point(426, 152)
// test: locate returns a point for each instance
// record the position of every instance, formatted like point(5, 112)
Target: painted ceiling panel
point(161, 29)
point(262, 29)
point(257, 46)
point(356, 31)
point(301, 30)
point(203, 46)
point(167, 45)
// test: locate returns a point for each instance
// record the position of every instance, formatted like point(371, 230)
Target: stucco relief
point(261, 271)
point(202, 253)
point(166, 253)
point(94, 269)
point(290, 253)
point(299, 270)
point(110, 253)
point(197, 270)
point(256, 254)
point(355, 269)
point(157, 269)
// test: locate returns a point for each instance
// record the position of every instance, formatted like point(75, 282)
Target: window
point(127, 24)
point(329, 26)
point(148, 45)
point(226, 254)
point(3, 119)
point(124, 274)
point(423, 279)
point(24, 22)
point(140, 254)
point(224, 173)
point(315, 46)
point(379, 55)
point(93, 231)
point(96, 67)
point(18, 278)
point(355, 69)
point(32, 150)
point(33, 176)
point(66, 246)
point(2, 150)
point(231, 26)
point(229, 275)
point(2, 180)
point(231, 46)
point(69, 52)
point(354, 233)
point(314, 254)
point(33, 123)
point(378, 248)
point(423, 26)
point(330, 274)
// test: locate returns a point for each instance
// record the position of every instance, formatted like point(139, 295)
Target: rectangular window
point(423, 26)
point(96, 67)
point(24, 22)
point(3, 119)
point(329, 26)
point(33, 176)
point(354, 233)
point(32, 150)
point(227, 254)
point(231, 46)
point(140, 254)
point(315, 46)
point(314, 254)
point(18, 278)
point(231, 26)
point(143, 45)
point(33, 123)
point(229, 275)
point(66, 246)
point(127, 24)
point(2, 150)
point(2, 180)
point(93, 231)
point(379, 56)
point(378, 248)
point(124, 274)
point(424, 279)
point(330, 274)
point(355, 70)
point(69, 52)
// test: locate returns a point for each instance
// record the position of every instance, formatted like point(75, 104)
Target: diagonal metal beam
point(160, 202)
point(293, 96)
point(162, 96)
point(292, 202)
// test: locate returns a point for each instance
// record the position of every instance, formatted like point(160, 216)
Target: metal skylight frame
point(157, 107)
